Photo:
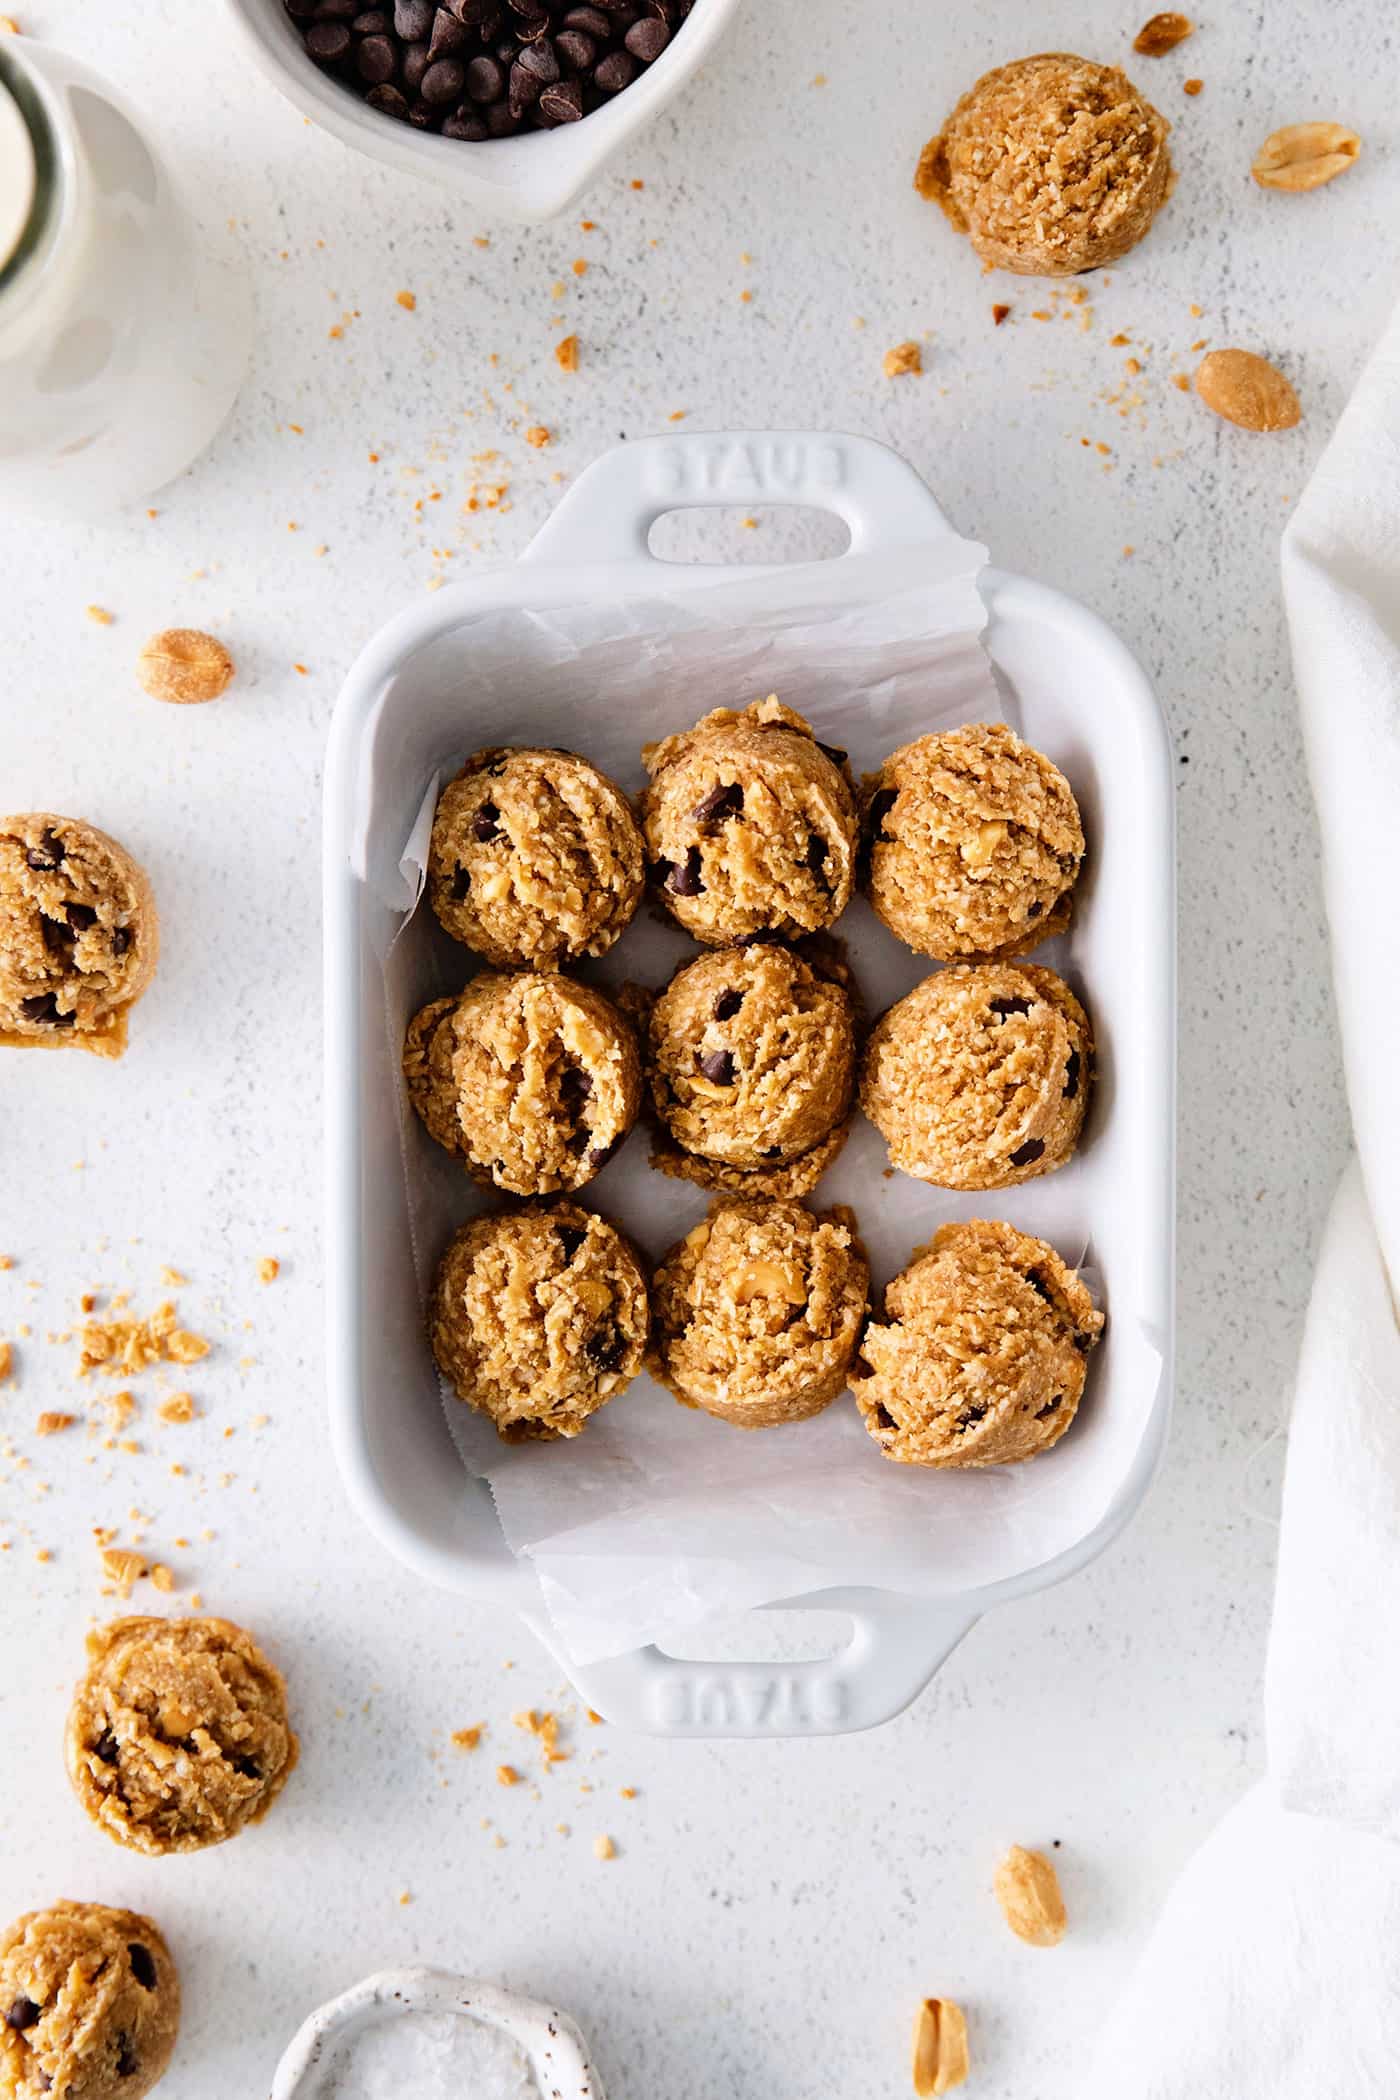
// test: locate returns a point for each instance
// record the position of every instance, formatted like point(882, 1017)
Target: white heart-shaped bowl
point(528, 178)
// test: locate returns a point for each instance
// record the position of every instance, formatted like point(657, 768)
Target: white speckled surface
point(775, 1912)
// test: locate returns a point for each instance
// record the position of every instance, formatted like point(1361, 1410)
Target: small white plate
point(548, 2039)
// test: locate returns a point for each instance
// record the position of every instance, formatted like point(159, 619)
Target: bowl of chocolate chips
point(514, 105)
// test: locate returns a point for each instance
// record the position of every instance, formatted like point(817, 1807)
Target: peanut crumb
point(507, 1775)
point(678, 415)
point(628, 1793)
point(467, 1738)
point(268, 1269)
point(7, 1261)
point(1196, 311)
point(7, 1363)
point(162, 1577)
point(178, 1408)
point(538, 436)
point(406, 1896)
point(749, 524)
point(637, 183)
point(1192, 87)
point(50, 1423)
point(1181, 382)
point(184, 666)
point(172, 1277)
point(566, 354)
point(746, 298)
point(43, 1552)
point(406, 300)
point(902, 360)
point(122, 1568)
point(604, 1848)
point(579, 267)
point(999, 314)
point(100, 615)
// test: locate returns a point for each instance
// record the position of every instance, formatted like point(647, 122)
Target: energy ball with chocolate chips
point(750, 825)
point(978, 1078)
point(532, 1080)
point(538, 1318)
point(89, 2004)
point(973, 844)
point(485, 69)
point(78, 935)
point(1050, 165)
point(750, 1054)
point(535, 859)
point(980, 1356)
point(177, 1737)
point(758, 1312)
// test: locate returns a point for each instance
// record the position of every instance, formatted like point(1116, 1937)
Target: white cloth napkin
point(1274, 1972)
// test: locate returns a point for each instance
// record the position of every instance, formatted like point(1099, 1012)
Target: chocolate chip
point(591, 19)
point(44, 1008)
point(374, 21)
point(463, 125)
point(1027, 1154)
point(415, 65)
point(601, 1154)
point(817, 850)
point(58, 938)
point(575, 1087)
point(718, 1066)
point(647, 39)
point(127, 2061)
point(719, 805)
point(449, 36)
point(562, 104)
point(834, 752)
point(80, 916)
point(727, 1004)
point(443, 81)
point(1006, 1007)
point(1083, 1342)
point(1071, 1075)
point(327, 42)
point(1042, 1413)
point(615, 72)
point(881, 803)
point(388, 101)
point(48, 854)
point(461, 882)
point(570, 1240)
point(121, 939)
point(106, 1747)
point(772, 1152)
point(22, 2015)
point(484, 824)
point(605, 1348)
point(1039, 1285)
point(485, 80)
point(971, 1416)
point(577, 48)
point(376, 60)
point(538, 59)
point(413, 20)
point(884, 1419)
point(1034, 908)
point(143, 1965)
point(683, 879)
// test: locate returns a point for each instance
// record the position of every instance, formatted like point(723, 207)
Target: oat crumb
point(628, 1793)
point(162, 1577)
point(406, 300)
point(7, 1363)
point(178, 1408)
point(538, 436)
point(566, 354)
point(579, 267)
point(507, 1775)
point(1192, 87)
point(268, 1269)
point(467, 1738)
point(50, 1423)
point(904, 358)
point(100, 615)
point(122, 1568)
point(1181, 382)
point(604, 1848)
point(172, 1277)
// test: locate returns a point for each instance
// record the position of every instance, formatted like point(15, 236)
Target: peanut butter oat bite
point(78, 935)
point(750, 825)
point(535, 858)
point(91, 2004)
point(758, 1312)
point(1050, 165)
point(974, 844)
point(979, 1357)
point(177, 1736)
point(978, 1078)
point(538, 1317)
point(532, 1080)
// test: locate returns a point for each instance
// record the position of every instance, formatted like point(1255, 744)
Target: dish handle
point(608, 514)
point(896, 1645)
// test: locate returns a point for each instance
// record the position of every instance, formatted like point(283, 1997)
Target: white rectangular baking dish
point(1080, 696)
